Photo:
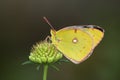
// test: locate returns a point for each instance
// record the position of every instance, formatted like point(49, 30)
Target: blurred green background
point(22, 25)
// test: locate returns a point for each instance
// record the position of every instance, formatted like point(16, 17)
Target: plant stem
point(45, 71)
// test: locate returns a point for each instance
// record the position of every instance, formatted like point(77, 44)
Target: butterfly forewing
point(74, 43)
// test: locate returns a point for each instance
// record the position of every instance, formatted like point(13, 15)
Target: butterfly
point(77, 42)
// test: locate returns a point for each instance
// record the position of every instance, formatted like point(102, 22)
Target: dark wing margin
point(91, 26)
point(84, 26)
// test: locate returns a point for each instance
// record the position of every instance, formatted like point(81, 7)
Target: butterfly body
point(77, 42)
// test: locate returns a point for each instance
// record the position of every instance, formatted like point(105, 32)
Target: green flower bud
point(45, 52)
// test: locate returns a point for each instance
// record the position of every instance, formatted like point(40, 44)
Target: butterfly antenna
point(47, 21)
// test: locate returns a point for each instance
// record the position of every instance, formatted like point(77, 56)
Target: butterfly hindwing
point(95, 32)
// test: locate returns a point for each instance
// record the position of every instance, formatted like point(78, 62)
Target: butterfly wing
point(77, 42)
point(95, 32)
point(73, 42)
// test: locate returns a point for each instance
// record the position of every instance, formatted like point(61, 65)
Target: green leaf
point(56, 68)
point(38, 67)
point(64, 60)
point(26, 62)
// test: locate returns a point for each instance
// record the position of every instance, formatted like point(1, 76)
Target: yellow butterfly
point(77, 42)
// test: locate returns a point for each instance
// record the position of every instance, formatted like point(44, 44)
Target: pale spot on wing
point(75, 40)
